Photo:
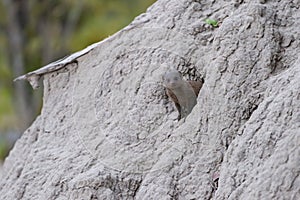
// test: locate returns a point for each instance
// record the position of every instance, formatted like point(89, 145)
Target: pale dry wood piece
point(183, 93)
point(34, 77)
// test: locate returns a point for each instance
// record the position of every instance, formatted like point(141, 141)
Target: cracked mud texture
point(108, 131)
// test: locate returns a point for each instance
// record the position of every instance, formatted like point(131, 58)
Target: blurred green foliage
point(3, 149)
point(7, 117)
point(103, 18)
point(98, 19)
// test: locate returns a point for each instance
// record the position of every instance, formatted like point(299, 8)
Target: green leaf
point(212, 22)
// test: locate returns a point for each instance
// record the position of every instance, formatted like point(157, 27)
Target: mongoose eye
point(176, 78)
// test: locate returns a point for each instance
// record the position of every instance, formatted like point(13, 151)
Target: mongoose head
point(172, 79)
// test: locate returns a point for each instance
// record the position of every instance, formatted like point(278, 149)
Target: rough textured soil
point(107, 130)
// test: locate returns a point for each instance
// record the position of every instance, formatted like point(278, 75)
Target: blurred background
point(34, 33)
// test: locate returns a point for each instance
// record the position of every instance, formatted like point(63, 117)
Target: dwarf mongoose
point(183, 93)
